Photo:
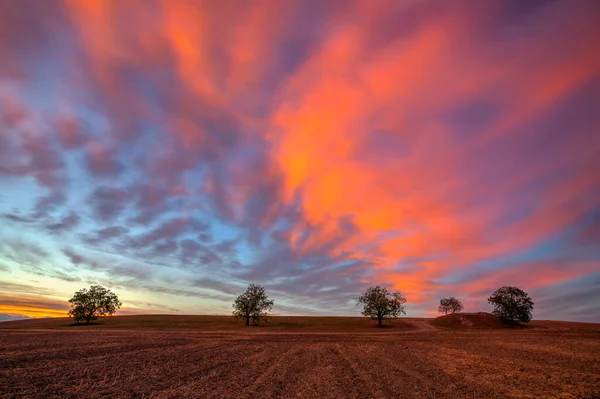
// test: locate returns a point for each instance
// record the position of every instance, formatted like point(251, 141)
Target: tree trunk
point(379, 321)
point(247, 320)
point(91, 314)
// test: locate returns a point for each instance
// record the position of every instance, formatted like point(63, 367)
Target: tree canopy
point(378, 303)
point(450, 305)
point(88, 305)
point(512, 303)
point(254, 304)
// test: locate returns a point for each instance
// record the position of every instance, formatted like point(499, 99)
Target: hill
point(478, 321)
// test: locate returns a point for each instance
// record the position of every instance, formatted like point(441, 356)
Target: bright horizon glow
point(175, 152)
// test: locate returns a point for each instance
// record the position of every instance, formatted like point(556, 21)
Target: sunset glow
point(176, 151)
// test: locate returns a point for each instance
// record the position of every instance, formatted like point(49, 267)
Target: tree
point(378, 303)
point(90, 304)
point(253, 304)
point(512, 303)
point(450, 305)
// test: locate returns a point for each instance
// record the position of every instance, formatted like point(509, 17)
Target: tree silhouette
point(450, 305)
point(512, 303)
point(90, 304)
point(378, 303)
point(253, 305)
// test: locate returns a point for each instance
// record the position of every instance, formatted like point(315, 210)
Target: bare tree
point(88, 305)
point(378, 303)
point(253, 305)
point(450, 305)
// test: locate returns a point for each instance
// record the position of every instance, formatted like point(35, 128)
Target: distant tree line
point(510, 303)
point(254, 305)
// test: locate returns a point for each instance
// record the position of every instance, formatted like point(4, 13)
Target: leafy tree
point(253, 305)
point(450, 305)
point(512, 303)
point(378, 303)
point(89, 304)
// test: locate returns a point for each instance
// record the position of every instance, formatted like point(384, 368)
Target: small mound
point(475, 321)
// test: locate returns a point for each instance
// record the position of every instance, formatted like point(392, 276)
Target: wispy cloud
point(181, 152)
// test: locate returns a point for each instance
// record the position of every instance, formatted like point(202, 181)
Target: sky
point(176, 151)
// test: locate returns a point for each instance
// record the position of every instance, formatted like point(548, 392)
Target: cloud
point(169, 229)
point(436, 149)
point(74, 257)
point(103, 161)
point(440, 194)
point(66, 223)
point(16, 217)
point(107, 202)
point(579, 303)
point(104, 234)
point(152, 307)
point(24, 252)
point(11, 317)
point(71, 131)
point(16, 288)
point(27, 152)
point(49, 203)
point(32, 306)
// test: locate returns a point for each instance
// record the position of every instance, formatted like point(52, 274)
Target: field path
point(423, 325)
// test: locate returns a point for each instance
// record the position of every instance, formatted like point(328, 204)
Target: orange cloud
point(32, 306)
point(421, 148)
point(347, 91)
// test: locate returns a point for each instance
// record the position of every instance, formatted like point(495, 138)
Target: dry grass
point(487, 321)
point(478, 321)
point(217, 323)
point(565, 325)
point(539, 363)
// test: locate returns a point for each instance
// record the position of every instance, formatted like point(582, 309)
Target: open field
point(216, 323)
point(288, 323)
point(186, 364)
point(267, 362)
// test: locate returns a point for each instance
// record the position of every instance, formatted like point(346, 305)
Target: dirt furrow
point(185, 365)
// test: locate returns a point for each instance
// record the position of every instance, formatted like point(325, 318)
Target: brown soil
point(424, 325)
point(219, 323)
point(186, 364)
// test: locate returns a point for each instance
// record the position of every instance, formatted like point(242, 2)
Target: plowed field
point(188, 364)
